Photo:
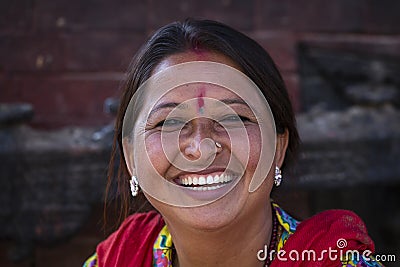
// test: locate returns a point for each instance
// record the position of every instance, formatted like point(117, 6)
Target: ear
point(128, 154)
point(282, 141)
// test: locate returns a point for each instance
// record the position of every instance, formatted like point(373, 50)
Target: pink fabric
point(132, 244)
point(322, 232)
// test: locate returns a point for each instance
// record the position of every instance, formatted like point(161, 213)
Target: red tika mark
point(200, 100)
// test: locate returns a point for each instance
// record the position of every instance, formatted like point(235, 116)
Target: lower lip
point(209, 192)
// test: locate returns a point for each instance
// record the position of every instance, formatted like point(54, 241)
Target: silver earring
point(218, 145)
point(278, 176)
point(134, 186)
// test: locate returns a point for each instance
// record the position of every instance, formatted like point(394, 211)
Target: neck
point(236, 244)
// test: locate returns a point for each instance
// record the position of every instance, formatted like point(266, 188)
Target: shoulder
point(332, 230)
point(339, 223)
point(140, 223)
point(131, 243)
point(137, 227)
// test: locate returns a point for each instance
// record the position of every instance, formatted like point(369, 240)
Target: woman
point(205, 128)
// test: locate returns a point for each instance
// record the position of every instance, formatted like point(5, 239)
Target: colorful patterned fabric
point(162, 250)
point(287, 222)
point(91, 262)
point(163, 246)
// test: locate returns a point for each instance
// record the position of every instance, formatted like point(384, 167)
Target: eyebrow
point(230, 101)
point(162, 106)
point(227, 101)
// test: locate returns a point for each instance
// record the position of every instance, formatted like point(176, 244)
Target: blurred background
point(61, 66)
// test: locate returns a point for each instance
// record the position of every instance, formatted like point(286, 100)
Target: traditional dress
point(330, 238)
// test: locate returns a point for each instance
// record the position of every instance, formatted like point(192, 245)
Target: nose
point(198, 143)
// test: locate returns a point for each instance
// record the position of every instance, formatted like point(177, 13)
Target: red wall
point(67, 57)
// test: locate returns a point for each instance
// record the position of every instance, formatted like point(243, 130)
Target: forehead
point(196, 90)
point(193, 90)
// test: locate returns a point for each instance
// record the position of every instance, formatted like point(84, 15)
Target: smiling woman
point(205, 128)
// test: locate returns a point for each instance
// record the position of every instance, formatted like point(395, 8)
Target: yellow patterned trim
point(91, 262)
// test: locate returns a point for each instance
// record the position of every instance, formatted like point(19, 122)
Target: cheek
point(248, 156)
point(255, 148)
point(155, 152)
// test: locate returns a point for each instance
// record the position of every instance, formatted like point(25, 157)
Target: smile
point(204, 182)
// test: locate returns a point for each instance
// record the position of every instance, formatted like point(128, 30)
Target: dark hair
point(213, 36)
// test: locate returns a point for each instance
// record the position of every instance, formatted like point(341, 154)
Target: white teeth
point(209, 180)
point(202, 180)
point(205, 188)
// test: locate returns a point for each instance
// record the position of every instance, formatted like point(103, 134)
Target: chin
point(209, 217)
point(214, 216)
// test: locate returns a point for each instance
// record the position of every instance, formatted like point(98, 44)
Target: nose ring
point(218, 145)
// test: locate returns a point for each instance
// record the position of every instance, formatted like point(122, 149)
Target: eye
point(234, 118)
point(170, 124)
point(231, 121)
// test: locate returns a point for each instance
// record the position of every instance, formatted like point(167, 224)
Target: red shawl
point(132, 244)
point(322, 232)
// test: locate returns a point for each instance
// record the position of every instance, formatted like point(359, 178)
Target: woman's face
point(189, 114)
